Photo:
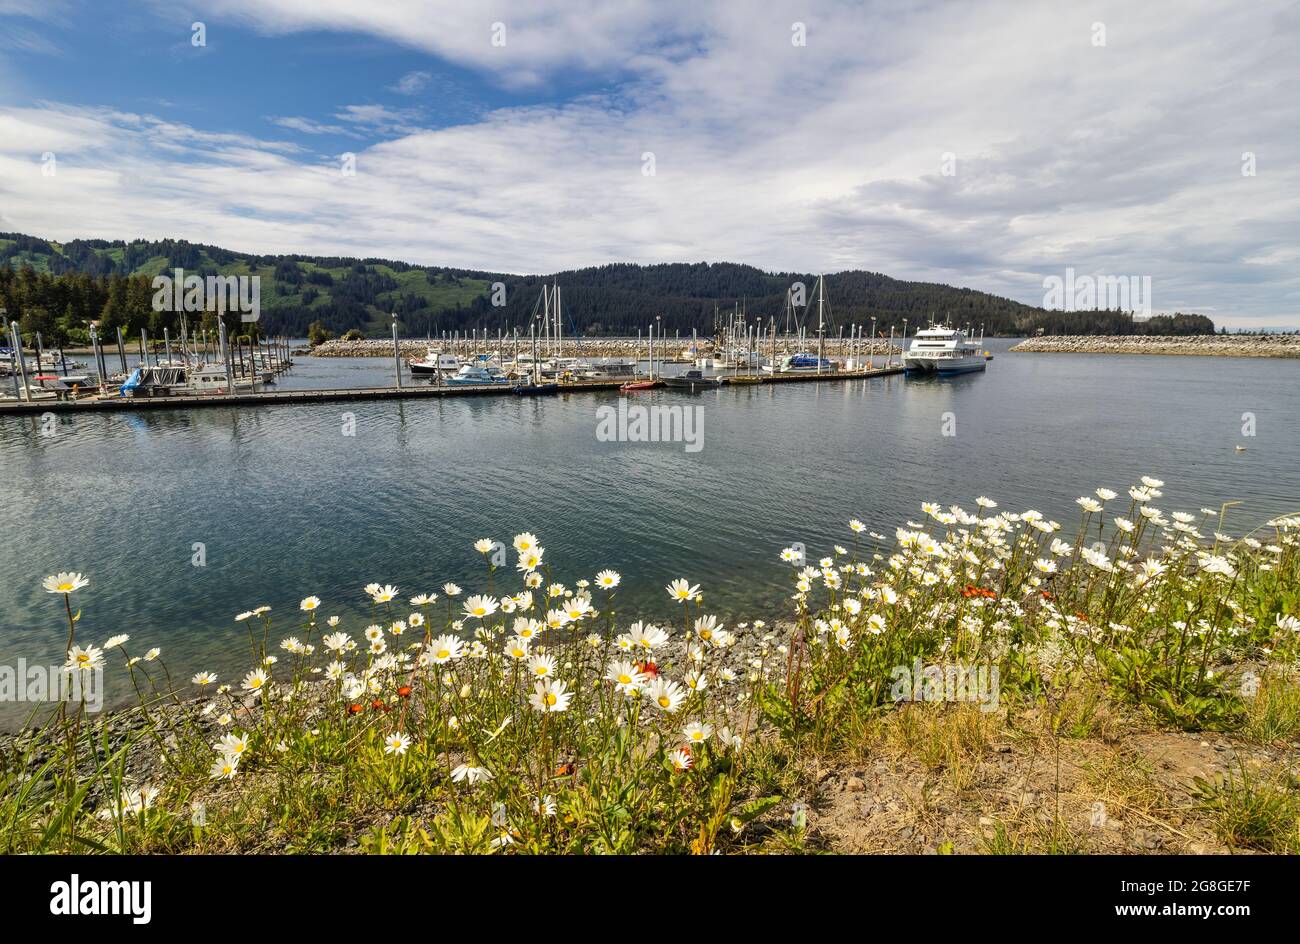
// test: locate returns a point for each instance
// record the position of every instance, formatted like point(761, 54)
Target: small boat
point(692, 379)
point(536, 390)
point(802, 363)
point(742, 379)
point(434, 362)
point(181, 381)
point(639, 385)
point(475, 375)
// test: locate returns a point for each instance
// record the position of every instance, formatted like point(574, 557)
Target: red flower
point(404, 691)
point(648, 668)
point(354, 709)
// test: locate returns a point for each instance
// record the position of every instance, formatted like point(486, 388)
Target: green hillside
point(58, 288)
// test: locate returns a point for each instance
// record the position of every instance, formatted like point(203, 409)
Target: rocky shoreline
point(588, 347)
point(1204, 345)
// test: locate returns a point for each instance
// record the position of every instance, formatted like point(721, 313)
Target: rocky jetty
point(585, 347)
point(1205, 345)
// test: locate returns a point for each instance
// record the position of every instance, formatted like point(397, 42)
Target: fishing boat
point(692, 380)
point(943, 350)
point(477, 375)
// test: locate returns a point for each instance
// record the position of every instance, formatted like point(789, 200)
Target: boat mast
point(821, 297)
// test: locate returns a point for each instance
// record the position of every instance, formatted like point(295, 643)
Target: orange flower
point(354, 709)
point(404, 691)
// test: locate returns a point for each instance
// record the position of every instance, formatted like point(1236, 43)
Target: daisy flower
point(86, 659)
point(256, 680)
point(396, 744)
point(550, 696)
point(697, 733)
point(204, 678)
point(64, 583)
point(608, 579)
point(625, 676)
point(466, 773)
point(682, 591)
point(542, 666)
point(224, 768)
point(480, 607)
point(667, 696)
point(680, 759)
point(446, 648)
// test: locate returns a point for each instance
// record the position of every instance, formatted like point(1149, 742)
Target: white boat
point(434, 363)
point(609, 370)
point(181, 381)
point(802, 363)
point(943, 350)
point(472, 374)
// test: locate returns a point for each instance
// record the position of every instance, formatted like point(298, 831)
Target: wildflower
point(1090, 505)
point(115, 641)
point(680, 759)
point(467, 773)
point(204, 678)
point(336, 642)
point(608, 579)
point(517, 648)
point(254, 681)
point(857, 526)
point(528, 561)
point(627, 678)
point(525, 542)
point(396, 743)
point(224, 767)
point(309, 603)
point(1287, 622)
point(697, 733)
point(232, 745)
point(451, 589)
point(647, 636)
point(446, 648)
point(423, 599)
point(682, 591)
point(667, 695)
point(64, 583)
point(86, 659)
point(541, 666)
point(479, 607)
point(484, 545)
point(152, 654)
point(550, 696)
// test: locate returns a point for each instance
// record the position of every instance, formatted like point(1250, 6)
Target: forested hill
point(59, 287)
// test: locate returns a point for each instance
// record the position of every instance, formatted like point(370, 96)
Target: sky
point(983, 144)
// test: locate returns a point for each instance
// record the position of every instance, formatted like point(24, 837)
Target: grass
point(531, 716)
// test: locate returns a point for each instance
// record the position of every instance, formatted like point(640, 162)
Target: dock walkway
point(280, 397)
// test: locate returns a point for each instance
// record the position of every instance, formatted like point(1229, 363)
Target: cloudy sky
point(982, 144)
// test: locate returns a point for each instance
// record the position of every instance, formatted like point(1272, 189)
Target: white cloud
point(1124, 159)
point(411, 83)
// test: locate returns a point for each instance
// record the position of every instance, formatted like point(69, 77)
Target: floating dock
point(420, 392)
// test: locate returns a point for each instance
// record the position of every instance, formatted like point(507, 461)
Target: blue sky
point(986, 144)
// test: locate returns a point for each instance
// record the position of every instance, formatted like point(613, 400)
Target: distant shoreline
point(1199, 345)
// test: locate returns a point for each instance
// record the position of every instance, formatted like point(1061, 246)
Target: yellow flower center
point(443, 653)
point(625, 679)
point(550, 699)
point(664, 701)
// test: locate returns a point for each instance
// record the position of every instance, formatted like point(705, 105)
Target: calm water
point(288, 506)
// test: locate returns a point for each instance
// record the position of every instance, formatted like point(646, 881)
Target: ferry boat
point(472, 374)
point(943, 350)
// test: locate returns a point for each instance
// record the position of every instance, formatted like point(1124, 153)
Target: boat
point(63, 384)
point(802, 363)
point(692, 379)
point(536, 390)
point(609, 370)
point(180, 381)
point(943, 350)
point(434, 363)
point(639, 385)
point(476, 375)
point(744, 379)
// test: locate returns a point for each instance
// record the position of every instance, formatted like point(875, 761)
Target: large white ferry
point(943, 350)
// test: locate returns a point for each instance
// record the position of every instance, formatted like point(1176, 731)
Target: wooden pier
point(279, 397)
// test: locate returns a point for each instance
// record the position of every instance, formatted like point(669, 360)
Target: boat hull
point(963, 366)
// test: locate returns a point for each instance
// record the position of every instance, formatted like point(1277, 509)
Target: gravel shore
point(1205, 345)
